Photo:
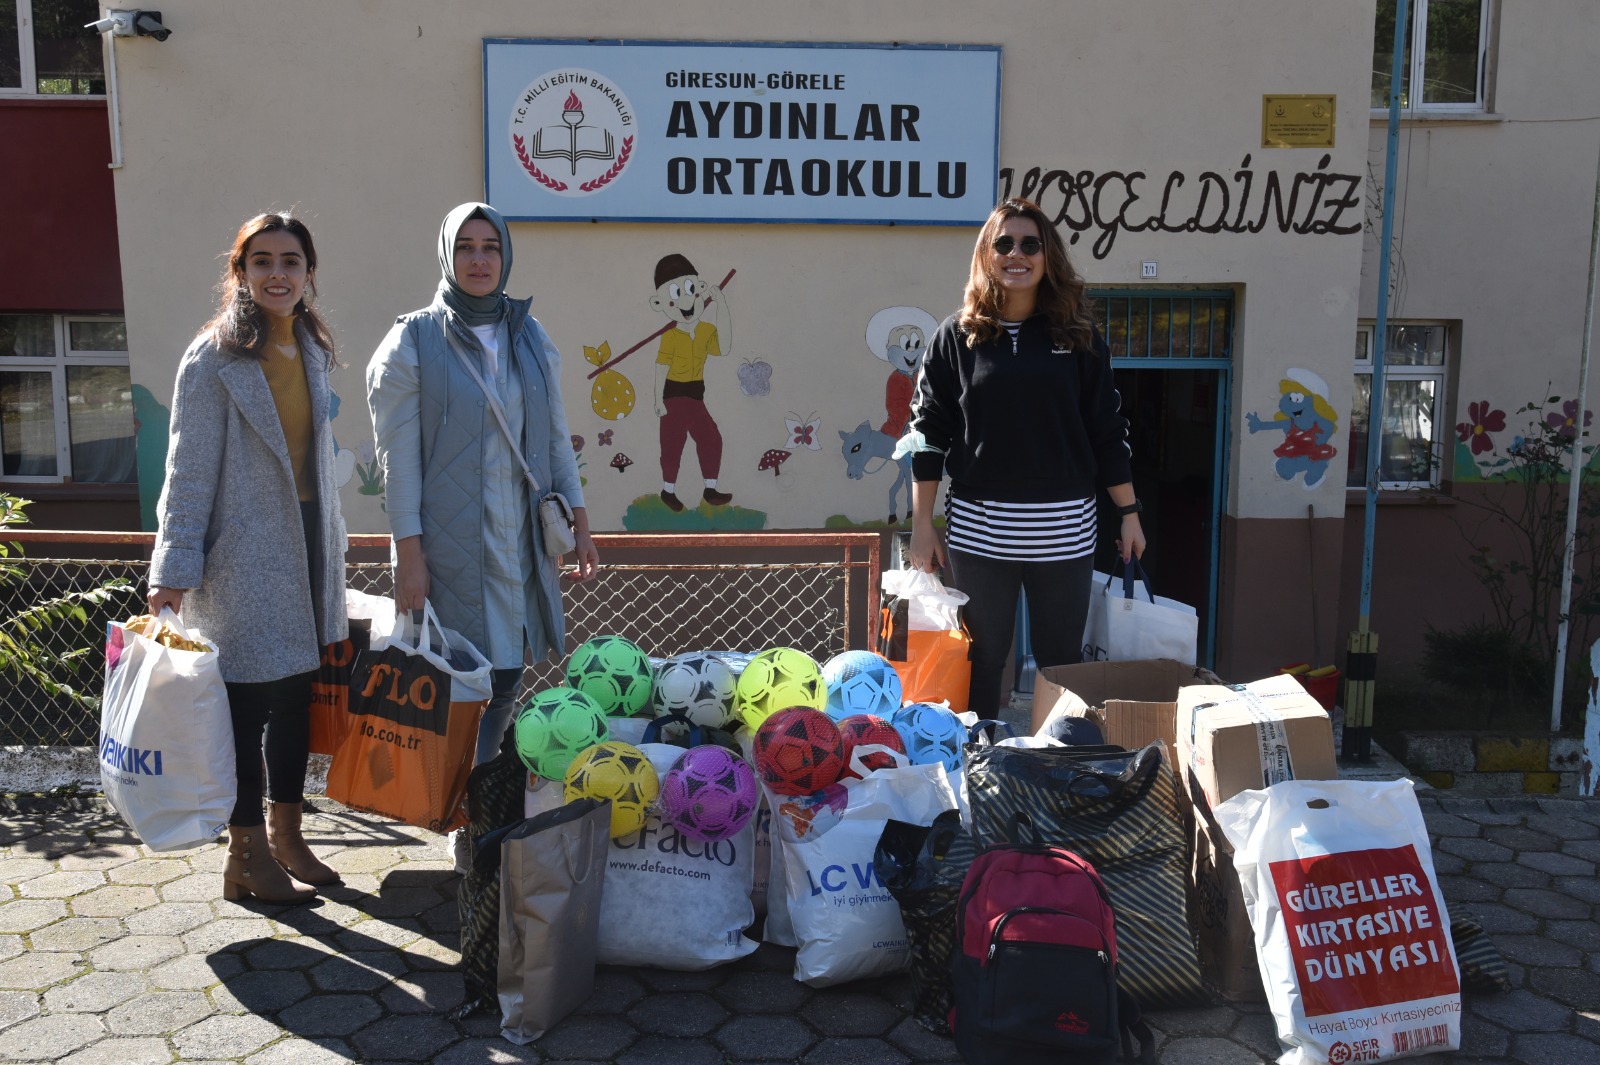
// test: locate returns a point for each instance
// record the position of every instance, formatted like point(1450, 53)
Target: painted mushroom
point(620, 462)
point(774, 458)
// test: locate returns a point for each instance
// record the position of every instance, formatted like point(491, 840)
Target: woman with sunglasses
point(1015, 402)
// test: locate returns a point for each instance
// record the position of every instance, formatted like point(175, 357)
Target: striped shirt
point(1028, 532)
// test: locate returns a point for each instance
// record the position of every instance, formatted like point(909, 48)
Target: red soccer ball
point(799, 751)
point(870, 729)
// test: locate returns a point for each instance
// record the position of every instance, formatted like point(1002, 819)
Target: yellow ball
point(777, 679)
point(621, 773)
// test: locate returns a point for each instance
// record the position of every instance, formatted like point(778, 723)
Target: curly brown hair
point(239, 325)
point(1061, 297)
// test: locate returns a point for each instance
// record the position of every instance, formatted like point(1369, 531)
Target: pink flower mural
point(1483, 422)
point(1563, 424)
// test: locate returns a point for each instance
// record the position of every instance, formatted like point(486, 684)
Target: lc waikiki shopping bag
point(1129, 623)
point(552, 871)
point(372, 624)
point(166, 739)
point(413, 728)
point(1349, 921)
point(921, 633)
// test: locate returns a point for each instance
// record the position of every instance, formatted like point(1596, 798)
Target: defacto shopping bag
point(372, 623)
point(1349, 921)
point(1129, 623)
point(413, 729)
point(847, 922)
point(166, 739)
point(658, 871)
point(920, 632)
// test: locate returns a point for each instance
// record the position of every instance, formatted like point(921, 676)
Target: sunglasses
point(1029, 245)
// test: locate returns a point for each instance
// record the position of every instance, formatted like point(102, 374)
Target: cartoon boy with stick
point(680, 393)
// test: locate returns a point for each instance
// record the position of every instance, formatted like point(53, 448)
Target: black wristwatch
point(1135, 507)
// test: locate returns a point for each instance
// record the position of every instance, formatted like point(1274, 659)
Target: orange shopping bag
point(920, 632)
point(371, 625)
point(412, 727)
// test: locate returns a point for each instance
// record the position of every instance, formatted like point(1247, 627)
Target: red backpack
point(1035, 967)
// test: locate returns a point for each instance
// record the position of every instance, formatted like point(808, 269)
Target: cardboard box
point(1216, 908)
point(1232, 740)
point(1134, 703)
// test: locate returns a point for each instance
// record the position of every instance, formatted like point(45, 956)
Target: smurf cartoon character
point(899, 336)
point(1307, 422)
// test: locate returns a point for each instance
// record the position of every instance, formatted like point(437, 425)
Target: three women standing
point(1015, 402)
point(251, 444)
point(460, 505)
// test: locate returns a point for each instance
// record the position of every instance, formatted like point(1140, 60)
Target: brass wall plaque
point(1298, 120)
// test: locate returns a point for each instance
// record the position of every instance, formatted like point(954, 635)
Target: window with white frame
point(1446, 55)
point(46, 49)
point(1415, 363)
point(66, 400)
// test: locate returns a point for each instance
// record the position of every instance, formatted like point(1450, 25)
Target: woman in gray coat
point(251, 445)
point(458, 501)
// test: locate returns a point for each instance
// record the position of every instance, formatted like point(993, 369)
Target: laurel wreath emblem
point(553, 184)
point(606, 178)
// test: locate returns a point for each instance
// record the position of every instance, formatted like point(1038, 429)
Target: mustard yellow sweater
point(286, 376)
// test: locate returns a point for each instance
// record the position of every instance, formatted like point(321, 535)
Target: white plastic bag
point(377, 611)
point(447, 649)
point(672, 902)
point(932, 606)
point(166, 738)
point(1128, 623)
point(1350, 925)
point(847, 924)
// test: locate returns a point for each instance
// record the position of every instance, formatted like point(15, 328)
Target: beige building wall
point(367, 118)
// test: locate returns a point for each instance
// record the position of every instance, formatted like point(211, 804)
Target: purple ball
point(709, 794)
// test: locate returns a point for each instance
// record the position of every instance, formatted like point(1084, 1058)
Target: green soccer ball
point(554, 727)
point(777, 679)
point(621, 773)
point(614, 672)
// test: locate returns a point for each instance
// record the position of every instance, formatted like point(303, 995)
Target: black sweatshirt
point(1019, 420)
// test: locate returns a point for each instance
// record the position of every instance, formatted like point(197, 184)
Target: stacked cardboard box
point(1134, 703)
point(1233, 739)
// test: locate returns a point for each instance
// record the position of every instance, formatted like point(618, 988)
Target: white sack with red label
point(1350, 925)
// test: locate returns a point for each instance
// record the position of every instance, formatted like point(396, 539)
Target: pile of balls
point(809, 727)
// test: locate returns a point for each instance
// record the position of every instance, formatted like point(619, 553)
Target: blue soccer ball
point(932, 734)
point(860, 682)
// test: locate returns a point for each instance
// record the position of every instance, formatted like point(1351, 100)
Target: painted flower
point(1563, 424)
point(605, 437)
point(1484, 421)
point(577, 442)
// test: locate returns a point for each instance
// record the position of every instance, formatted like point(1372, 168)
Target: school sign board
point(667, 131)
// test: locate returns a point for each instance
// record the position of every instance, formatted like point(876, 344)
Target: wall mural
point(898, 336)
point(1308, 424)
point(1485, 454)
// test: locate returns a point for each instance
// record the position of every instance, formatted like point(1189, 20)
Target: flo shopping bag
point(920, 632)
point(166, 739)
point(372, 623)
point(1350, 924)
point(846, 921)
point(658, 871)
point(552, 871)
point(1127, 622)
point(413, 730)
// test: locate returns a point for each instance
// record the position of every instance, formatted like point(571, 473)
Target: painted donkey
point(863, 444)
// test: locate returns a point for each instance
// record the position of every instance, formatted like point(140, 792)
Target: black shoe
point(673, 503)
point(715, 498)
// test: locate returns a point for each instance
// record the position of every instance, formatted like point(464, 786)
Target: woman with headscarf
point(460, 508)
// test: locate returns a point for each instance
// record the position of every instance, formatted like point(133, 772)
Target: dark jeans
point(274, 717)
point(1058, 606)
point(498, 714)
point(280, 709)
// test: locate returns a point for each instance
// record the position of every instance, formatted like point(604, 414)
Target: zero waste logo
point(573, 131)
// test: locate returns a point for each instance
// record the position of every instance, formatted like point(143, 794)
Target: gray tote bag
point(551, 870)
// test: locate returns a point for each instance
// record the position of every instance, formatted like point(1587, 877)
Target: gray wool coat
point(229, 519)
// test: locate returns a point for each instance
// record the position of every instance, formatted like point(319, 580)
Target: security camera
point(116, 23)
point(148, 24)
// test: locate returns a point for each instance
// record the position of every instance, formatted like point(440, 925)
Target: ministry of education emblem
point(573, 131)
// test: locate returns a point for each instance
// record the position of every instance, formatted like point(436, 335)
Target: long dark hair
point(240, 326)
point(1060, 298)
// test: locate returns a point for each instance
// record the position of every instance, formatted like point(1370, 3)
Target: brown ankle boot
point(288, 846)
point(250, 870)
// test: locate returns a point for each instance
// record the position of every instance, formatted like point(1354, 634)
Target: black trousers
point(1058, 607)
point(273, 718)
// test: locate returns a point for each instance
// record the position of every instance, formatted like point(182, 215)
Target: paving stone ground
point(113, 955)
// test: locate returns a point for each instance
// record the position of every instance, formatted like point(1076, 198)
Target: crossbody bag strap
point(494, 404)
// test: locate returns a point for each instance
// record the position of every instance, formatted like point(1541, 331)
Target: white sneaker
point(459, 847)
